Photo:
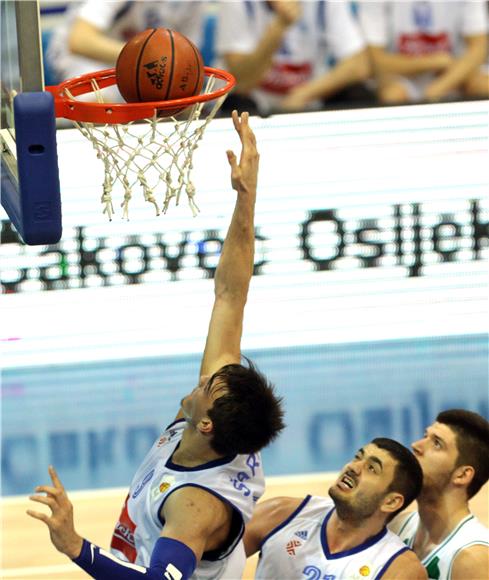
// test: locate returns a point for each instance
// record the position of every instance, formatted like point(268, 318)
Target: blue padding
point(35, 210)
point(170, 559)
point(208, 48)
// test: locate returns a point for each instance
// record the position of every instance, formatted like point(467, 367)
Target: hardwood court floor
point(27, 553)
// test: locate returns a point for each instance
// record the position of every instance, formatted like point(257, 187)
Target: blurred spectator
point(281, 52)
point(426, 51)
point(95, 31)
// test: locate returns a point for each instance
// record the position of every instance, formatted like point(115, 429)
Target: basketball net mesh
point(154, 154)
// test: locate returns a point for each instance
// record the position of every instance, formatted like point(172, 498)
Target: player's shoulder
point(190, 503)
point(471, 562)
point(270, 516)
point(405, 565)
point(273, 514)
point(279, 508)
point(398, 524)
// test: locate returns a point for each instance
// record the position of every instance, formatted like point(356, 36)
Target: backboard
point(30, 191)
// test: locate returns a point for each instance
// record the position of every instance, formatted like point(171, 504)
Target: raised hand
point(60, 522)
point(244, 175)
point(288, 11)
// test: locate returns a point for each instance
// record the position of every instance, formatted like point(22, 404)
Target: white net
point(153, 155)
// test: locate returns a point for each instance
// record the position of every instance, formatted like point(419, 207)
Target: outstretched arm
point(250, 68)
point(267, 516)
point(192, 517)
point(89, 41)
point(235, 267)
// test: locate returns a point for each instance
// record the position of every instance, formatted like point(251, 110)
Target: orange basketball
point(159, 64)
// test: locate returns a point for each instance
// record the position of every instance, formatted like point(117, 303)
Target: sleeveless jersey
point(298, 548)
point(238, 481)
point(439, 562)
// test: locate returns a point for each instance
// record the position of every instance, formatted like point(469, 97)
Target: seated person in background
point(279, 50)
point(426, 51)
point(345, 536)
point(94, 32)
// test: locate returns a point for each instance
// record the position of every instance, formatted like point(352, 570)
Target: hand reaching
point(60, 522)
point(288, 11)
point(244, 175)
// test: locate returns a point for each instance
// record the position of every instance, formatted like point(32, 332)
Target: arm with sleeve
point(171, 559)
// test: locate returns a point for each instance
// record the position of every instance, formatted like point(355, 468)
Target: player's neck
point(440, 514)
point(345, 534)
point(194, 450)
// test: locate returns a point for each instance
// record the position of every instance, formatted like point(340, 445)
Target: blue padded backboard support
point(34, 203)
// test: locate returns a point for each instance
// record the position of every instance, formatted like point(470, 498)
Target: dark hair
point(472, 440)
point(249, 415)
point(408, 475)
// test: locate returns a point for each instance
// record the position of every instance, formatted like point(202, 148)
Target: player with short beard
point(449, 540)
point(345, 536)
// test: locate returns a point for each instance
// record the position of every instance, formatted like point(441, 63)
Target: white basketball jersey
point(237, 481)
point(298, 548)
point(439, 562)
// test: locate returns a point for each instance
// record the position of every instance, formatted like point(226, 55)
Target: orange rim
point(113, 113)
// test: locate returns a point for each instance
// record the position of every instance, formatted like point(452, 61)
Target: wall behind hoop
point(368, 308)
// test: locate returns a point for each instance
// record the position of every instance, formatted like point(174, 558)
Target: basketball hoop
point(142, 143)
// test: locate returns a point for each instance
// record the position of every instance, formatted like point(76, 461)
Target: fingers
point(54, 478)
point(240, 122)
point(55, 492)
point(38, 516)
point(231, 159)
point(246, 135)
point(51, 502)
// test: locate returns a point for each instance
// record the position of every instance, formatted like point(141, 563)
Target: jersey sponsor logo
point(364, 571)
point(123, 537)
point(164, 485)
point(140, 486)
point(253, 461)
point(283, 77)
point(420, 43)
point(166, 437)
point(291, 547)
point(162, 441)
point(238, 481)
point(302, 534)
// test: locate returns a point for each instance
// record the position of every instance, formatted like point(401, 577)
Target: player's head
point(382, 479)
point(453, 453)
point(237, 408)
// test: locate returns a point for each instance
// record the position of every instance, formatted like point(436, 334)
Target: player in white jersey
point(93, 32)
point(426, 51)
point(281, 51)
point(346, 536)
point(188, 502)
point(454, 456)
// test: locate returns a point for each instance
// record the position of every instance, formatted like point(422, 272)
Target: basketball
point(159, 64)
